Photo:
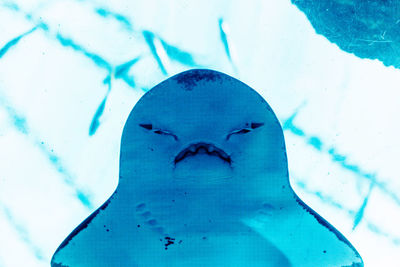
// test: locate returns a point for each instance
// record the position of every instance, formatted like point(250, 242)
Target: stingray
point(204, 182)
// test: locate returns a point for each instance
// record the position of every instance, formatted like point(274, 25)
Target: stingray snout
point(201, 147)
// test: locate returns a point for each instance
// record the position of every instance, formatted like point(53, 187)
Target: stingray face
point(203, 127)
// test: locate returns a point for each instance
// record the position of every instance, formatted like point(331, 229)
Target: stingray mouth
point(204, 148)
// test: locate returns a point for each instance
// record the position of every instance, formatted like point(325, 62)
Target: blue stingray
point(204, 182)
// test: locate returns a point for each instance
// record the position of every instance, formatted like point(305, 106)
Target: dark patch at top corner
point(189, 79)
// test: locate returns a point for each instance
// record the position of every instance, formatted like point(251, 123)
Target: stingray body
point(204, 182)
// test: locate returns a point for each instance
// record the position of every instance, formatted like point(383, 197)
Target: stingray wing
point(305, 237)
point(91, 244)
